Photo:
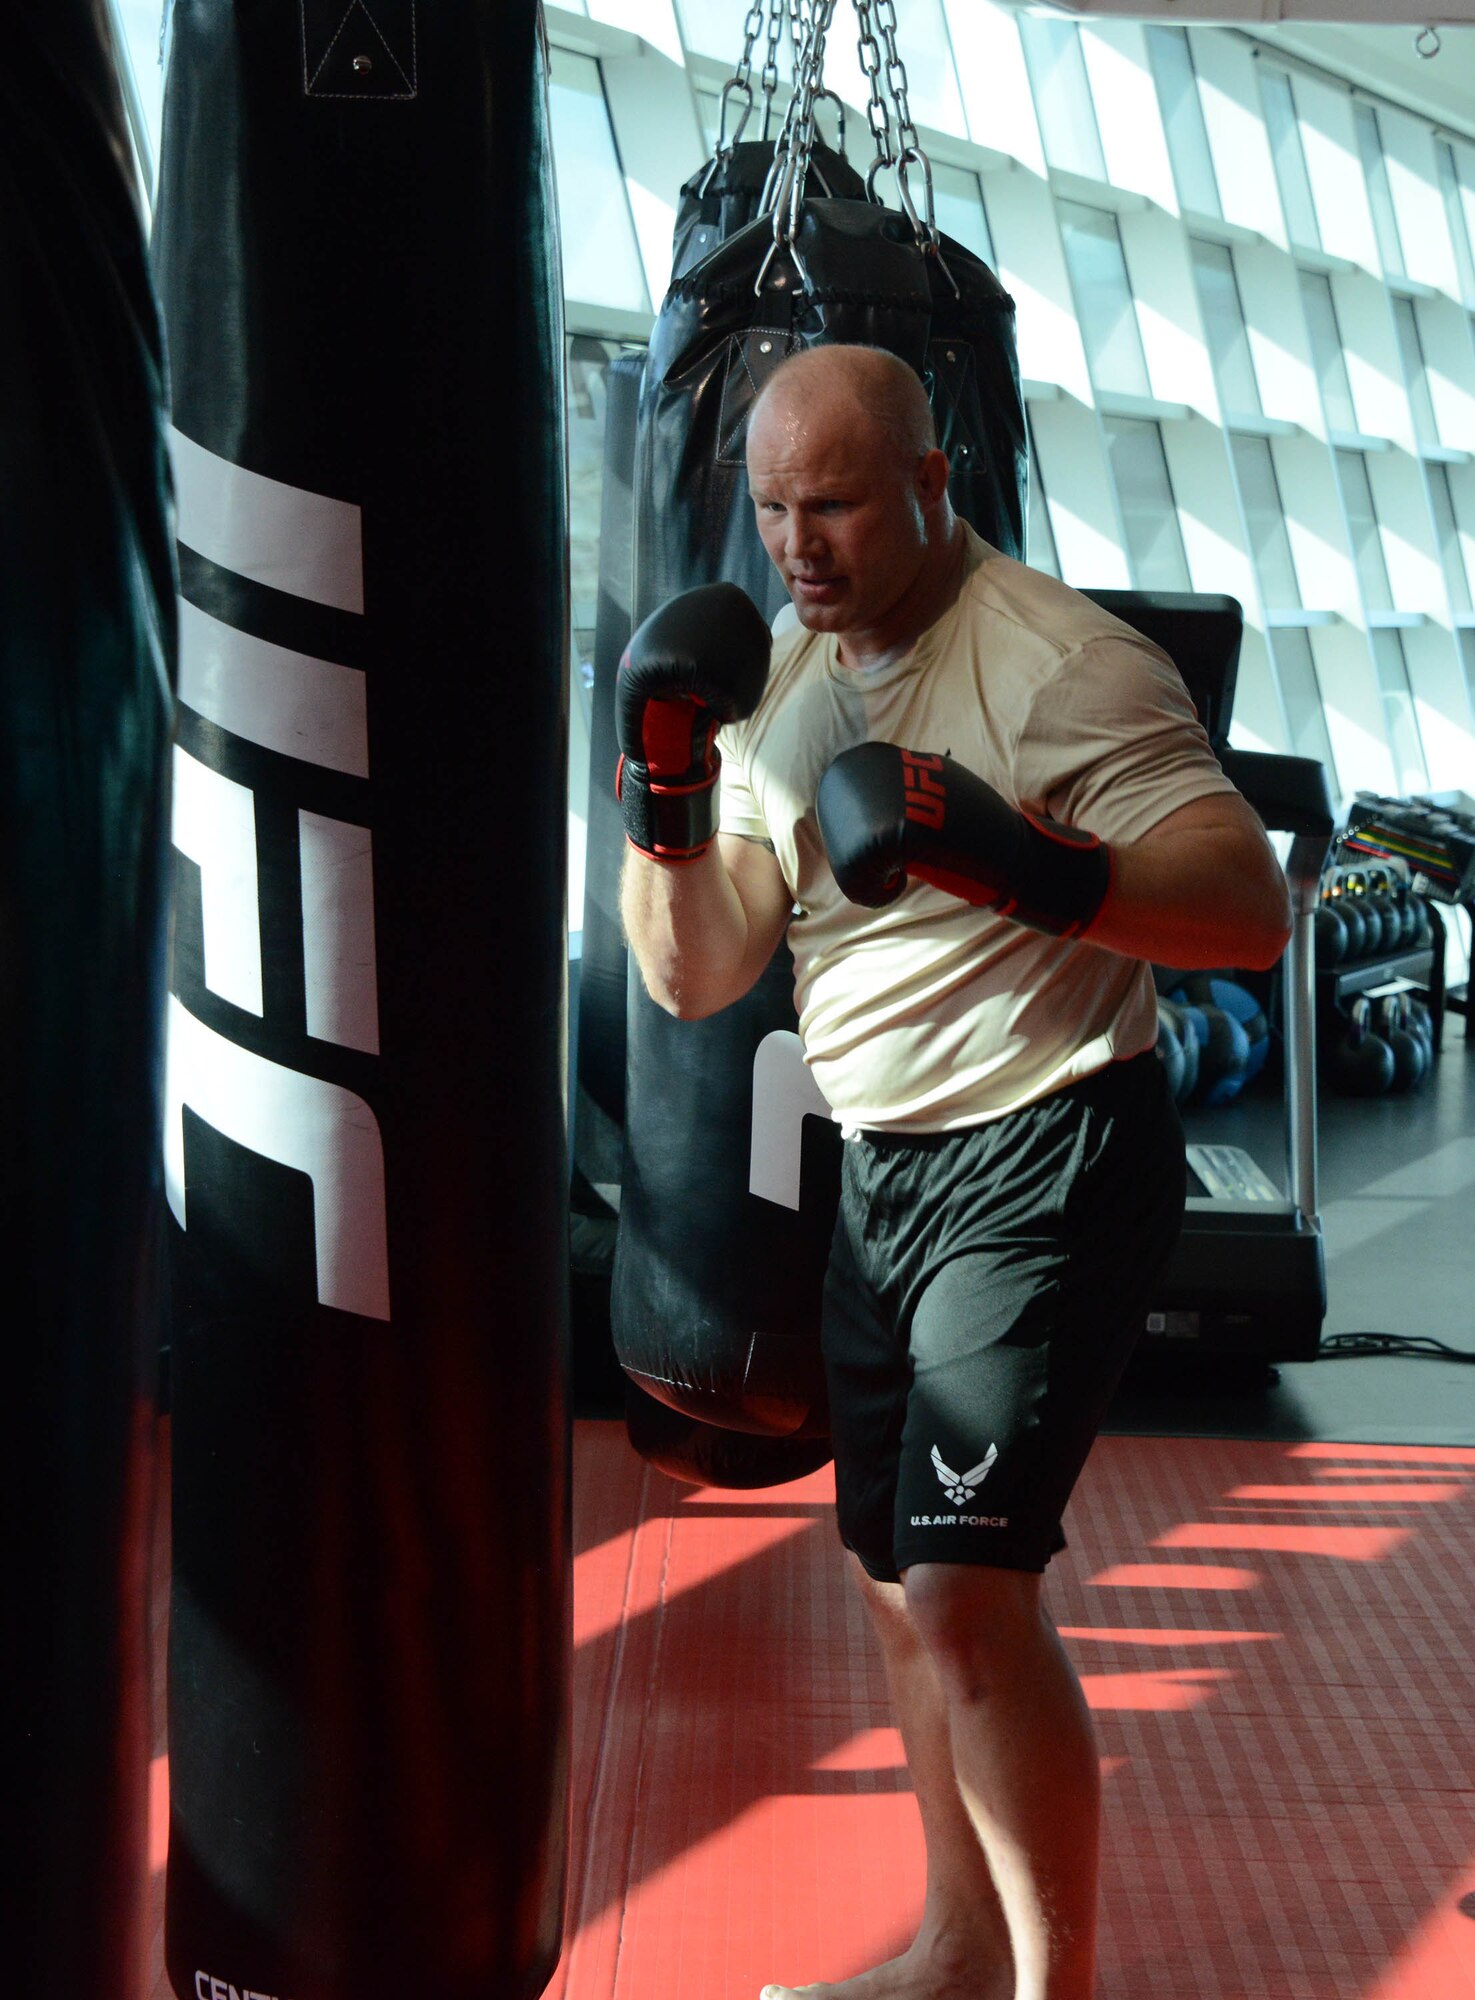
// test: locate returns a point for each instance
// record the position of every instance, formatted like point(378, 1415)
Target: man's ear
point(933, 472)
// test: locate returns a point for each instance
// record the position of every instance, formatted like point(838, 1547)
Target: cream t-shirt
point(931, 1015)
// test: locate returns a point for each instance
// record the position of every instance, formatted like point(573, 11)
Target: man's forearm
point(1196, 901)
point(688, 930)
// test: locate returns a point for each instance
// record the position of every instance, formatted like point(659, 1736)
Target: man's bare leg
point(1026, 1761)
point(1020, 1761)
point(961, 1951)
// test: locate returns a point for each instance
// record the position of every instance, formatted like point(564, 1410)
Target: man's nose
point(803, 537)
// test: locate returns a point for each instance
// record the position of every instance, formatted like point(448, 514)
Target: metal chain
point(896, 75)
point(784, 189)
point(769, 75)
point(877, 116)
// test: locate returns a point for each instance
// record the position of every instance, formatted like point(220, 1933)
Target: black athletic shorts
point(984, 1291)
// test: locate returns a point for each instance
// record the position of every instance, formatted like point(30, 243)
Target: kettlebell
point(1423, 924)
point(1420, 1021)
point(1362, 1062)
point(1409, 1060)
point(1389, 922)
point(1408, 916)
point(1353, 920)
point(1366, 907)
point(1331, 934)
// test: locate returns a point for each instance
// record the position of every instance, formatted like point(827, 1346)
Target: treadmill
point(1247, 1281)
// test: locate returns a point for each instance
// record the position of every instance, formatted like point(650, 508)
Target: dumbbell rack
point(1434, 838)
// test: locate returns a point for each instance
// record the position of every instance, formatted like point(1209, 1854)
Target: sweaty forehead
point(815, 439)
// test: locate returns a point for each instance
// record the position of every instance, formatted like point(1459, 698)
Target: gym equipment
point(1212, 990)
point(1434, 838)
point(369, 1648)
point(1363, 1064)
point(730, 1175)
point(1331, 934)
point(1224, 1062)
point(703, 1454)
point(87, 663)
point(1410, 1057)
point(809, 269)
point(1247, 1280)
point(1170, 1051)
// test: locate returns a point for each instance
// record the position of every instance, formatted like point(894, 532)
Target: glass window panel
point(1103, 295)
point(1362, 525)
point(1265, 518)
point(1467, 660)
point(1183, 119)
point(1326, 350)
point(140, 29)
point(1400, 718)
point(1062, 90)
point(1412, 349)
point(960, 210)
point(1300, 693)
point(1149, 516)
point(1290, 161)
point(1385, 222)
point(1449, 187)
point(1224, 322)
point(1040, 537)
point(1451, 554)
point(601, 264)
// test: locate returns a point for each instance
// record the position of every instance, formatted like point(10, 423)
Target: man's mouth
point(817, 589)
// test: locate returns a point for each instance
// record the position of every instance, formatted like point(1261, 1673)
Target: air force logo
point(961, 1486)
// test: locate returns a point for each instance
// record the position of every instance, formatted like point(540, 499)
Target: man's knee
point(978, 1624)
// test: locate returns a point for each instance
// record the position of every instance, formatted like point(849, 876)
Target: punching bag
point(86, 667)
point(721, 1251)
point(364, 1122)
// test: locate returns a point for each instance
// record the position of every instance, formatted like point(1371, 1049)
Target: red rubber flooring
point(1279, 1644)
point(1278, 1641)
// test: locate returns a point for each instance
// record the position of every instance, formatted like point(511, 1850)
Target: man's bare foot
point(929, 1970)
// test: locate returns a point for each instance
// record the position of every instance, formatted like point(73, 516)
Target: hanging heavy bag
point(369, 1632)
point(87, 659)
point(717, 1286)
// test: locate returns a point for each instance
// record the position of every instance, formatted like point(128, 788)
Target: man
point(1014, 1176)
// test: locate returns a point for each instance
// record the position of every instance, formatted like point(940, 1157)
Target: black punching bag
point(86, 665)
point(364, 1122)
point(731, 1174)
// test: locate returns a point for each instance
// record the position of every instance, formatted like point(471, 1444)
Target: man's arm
point(1203, 888)
point(702, 931)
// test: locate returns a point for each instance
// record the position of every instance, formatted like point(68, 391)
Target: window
point(1454, 209)
point(1400, 718)
point(1103, 295)
point(1062, 91)
point(1265, 518)
point(1149, 516)
point(1385, 222)
point(1040, 547)
point(601, 264)
point(1362, 525)
point(1290, 161)
point(960, 212)
point(1456, 576)
point(1295, 670)
point(1326, 351)
point(1183, 119)
point(1224, 322)
point(1415, 374)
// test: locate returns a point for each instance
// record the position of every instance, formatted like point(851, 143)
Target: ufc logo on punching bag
point(926, 795)
point(253, 715)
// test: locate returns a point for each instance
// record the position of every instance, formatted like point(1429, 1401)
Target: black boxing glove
point(886, 814)
point(698, 662)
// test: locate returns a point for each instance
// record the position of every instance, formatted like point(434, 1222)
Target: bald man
point(978, 806)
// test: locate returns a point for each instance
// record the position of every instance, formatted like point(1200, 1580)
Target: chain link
point(769, 76)
point(877, 116)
